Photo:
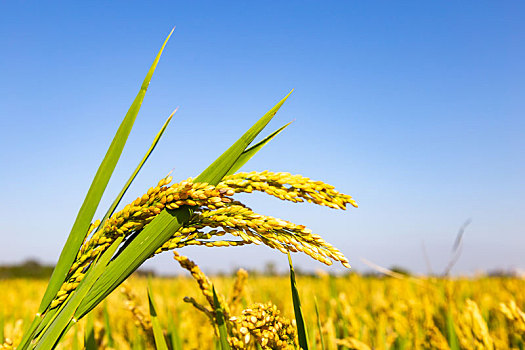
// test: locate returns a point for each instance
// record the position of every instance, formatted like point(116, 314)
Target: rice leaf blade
point(107, 327)
point(453, 340)
point(319, 323)
point(252, 150)
point(2, 321)
point(67, 316)
point(89, 334)
point(299, 319)
point(95, 192)
point(160, 342)
point(117, 200)
point(214, 173)
point(75, 343)
point(174, 336)
point(29, 332)
point(140, 249)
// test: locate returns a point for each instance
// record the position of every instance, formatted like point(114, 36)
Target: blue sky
point(414, 108)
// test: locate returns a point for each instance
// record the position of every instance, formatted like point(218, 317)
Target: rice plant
point(100, 255)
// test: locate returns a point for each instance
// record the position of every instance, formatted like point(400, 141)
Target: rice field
point(353, 312)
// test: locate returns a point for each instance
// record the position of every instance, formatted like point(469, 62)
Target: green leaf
point(89, 333)
point(68, 315)
point(37, 321)
point(250, 152)
point(117, 200)
point(160, 342)
point(107, 326)
point(221, 324)
point(167, 222)
point(96, 190)
point(222, 165)
point(39, 324)
point(75, 343)
point(319, 323)
point(174, 336)
point(129, 259)
point(453, 340)
point(2, 321)
point(301, 326)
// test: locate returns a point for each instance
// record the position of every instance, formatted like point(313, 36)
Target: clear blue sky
point(414, 108)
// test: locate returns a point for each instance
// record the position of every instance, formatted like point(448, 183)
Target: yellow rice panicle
point(238, 289)
point(139, 316)
point(352, 343)
point(285, 186)
point(14, 335)
point(134, 216)
point(179, 242)
point(7, 345)
point(434, 339)
point(516, 316)
point(255, 228)
point(234, 218)
point(202, 280)
point(262, 324)
point(472, 329)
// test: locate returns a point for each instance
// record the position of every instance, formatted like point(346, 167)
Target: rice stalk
point(220, 321)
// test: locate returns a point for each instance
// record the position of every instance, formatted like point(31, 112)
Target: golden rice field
point(354, 312)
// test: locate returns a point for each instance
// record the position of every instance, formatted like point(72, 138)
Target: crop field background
point(355, 312)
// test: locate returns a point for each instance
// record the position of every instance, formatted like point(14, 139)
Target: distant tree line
point(32, 268)
point(28, 269)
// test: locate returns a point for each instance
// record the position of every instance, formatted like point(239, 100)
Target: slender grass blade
point(214, 173)
point(95, 192)
point(453, 340)
point(319, 327)
point(174, 336)
point(252, 150)
point(160, 342)
point(117, 200)
point(2, 321)
point(75, 343)
point(301, 326)
point(89, 333)
point(68, 315)
point(107, 327)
